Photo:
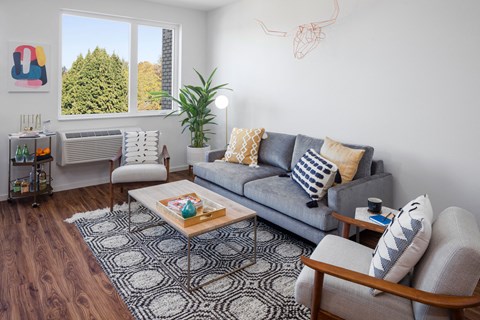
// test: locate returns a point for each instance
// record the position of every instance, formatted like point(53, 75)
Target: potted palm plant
point(194, 102)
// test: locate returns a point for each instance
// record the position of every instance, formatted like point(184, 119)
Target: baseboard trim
point(88, 183)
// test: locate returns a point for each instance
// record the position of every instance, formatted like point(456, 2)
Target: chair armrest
point(345, 198)
point(358, 223)
point(112, 160)
point(216, 154)
point(165, 155)
point(433, 299)
point(117, 156)
point(166, 161)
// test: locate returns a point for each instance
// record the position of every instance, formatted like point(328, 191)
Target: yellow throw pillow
point(346, 159)
point(244, 145)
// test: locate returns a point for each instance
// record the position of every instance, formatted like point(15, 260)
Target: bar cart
point(37, 163)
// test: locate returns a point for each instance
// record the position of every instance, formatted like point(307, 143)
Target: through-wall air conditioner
point(84, 146)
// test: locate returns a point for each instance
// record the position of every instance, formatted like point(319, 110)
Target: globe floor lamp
point(221, 102)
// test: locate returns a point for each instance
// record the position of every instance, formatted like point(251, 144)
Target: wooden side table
point(361, 220)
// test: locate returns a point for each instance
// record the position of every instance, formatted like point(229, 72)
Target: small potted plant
point(194, 102)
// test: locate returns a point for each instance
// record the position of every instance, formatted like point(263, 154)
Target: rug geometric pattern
point(140, 265)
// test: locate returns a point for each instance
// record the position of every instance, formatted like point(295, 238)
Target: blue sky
point(79, 34)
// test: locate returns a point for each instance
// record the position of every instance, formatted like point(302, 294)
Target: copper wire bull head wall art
point(306, 37)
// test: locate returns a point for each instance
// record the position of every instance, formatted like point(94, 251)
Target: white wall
point(402, 76)
point(38, 21)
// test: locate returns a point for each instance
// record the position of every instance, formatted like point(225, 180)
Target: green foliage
point(149, 79)
point(95, 84)
point(194, 102)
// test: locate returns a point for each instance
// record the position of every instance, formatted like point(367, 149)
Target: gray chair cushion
point(286, 196)
point(343, 298)
point(232, 176)
point(277, 150)
point(303, 143)
point(451, 264)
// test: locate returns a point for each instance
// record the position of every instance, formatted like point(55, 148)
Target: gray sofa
point(281, 200)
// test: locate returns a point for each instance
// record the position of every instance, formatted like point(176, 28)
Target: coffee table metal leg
point(188, 264)
point(129, 214)
point(255, 239)
point(252, 260)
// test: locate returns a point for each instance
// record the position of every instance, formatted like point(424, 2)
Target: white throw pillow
point(404, 241)
point(140, 147)
point(314, 174)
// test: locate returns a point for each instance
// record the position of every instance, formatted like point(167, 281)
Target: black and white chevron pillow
point(403, 242)
point(140, 147)
point(314, 174)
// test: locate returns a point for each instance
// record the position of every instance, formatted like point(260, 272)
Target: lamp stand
point(226, 127)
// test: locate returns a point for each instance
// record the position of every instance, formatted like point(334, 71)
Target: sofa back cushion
point(277, 149)
point(451, 264)
point(303, 143)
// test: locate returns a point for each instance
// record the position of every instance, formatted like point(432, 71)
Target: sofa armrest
point(345, 198)
point(216, 154)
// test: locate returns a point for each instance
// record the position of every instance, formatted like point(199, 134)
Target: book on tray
point(178, 203)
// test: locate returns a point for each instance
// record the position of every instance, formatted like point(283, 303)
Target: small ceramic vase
point(189, 210)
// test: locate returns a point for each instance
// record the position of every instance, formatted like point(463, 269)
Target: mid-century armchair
point(335, 283)
point(139, 160)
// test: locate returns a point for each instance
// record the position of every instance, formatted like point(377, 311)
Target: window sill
point(115, 116)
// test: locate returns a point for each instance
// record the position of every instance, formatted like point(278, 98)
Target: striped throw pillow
point(314, 174)
point(403, 242)
point(140, 147)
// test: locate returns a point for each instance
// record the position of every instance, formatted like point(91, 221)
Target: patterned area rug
point(141, 264)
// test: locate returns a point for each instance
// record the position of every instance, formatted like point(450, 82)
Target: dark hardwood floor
point(47, 271)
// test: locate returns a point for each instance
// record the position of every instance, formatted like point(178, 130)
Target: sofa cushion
point(233, 176)
point(277, 150)
point(303, 143)
point(314, 174)
point(287, 197)
point(244, 145)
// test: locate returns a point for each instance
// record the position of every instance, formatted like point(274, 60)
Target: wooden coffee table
point(235, 212)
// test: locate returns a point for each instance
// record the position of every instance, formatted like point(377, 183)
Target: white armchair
point(335, 283)
point(139, 160)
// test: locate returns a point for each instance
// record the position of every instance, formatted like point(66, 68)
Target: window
point(110, 65)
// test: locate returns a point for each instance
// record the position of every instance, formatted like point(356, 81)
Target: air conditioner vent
point(86, 134)
point(84, 146)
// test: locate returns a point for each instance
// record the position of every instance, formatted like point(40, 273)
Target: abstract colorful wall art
point(28, 67)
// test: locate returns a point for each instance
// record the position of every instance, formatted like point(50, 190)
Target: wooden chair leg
point(346, 230)
point(111, 196)
point(317, 295)
point(458, 314)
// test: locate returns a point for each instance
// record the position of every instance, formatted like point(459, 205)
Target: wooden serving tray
point(208, 211)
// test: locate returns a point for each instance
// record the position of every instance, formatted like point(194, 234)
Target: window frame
point(133, 67)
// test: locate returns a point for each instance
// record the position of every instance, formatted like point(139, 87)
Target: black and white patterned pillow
point(314, 174)
point(403, 242)
point(140, 147)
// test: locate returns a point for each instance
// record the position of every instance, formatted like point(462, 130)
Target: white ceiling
point(205, 5)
